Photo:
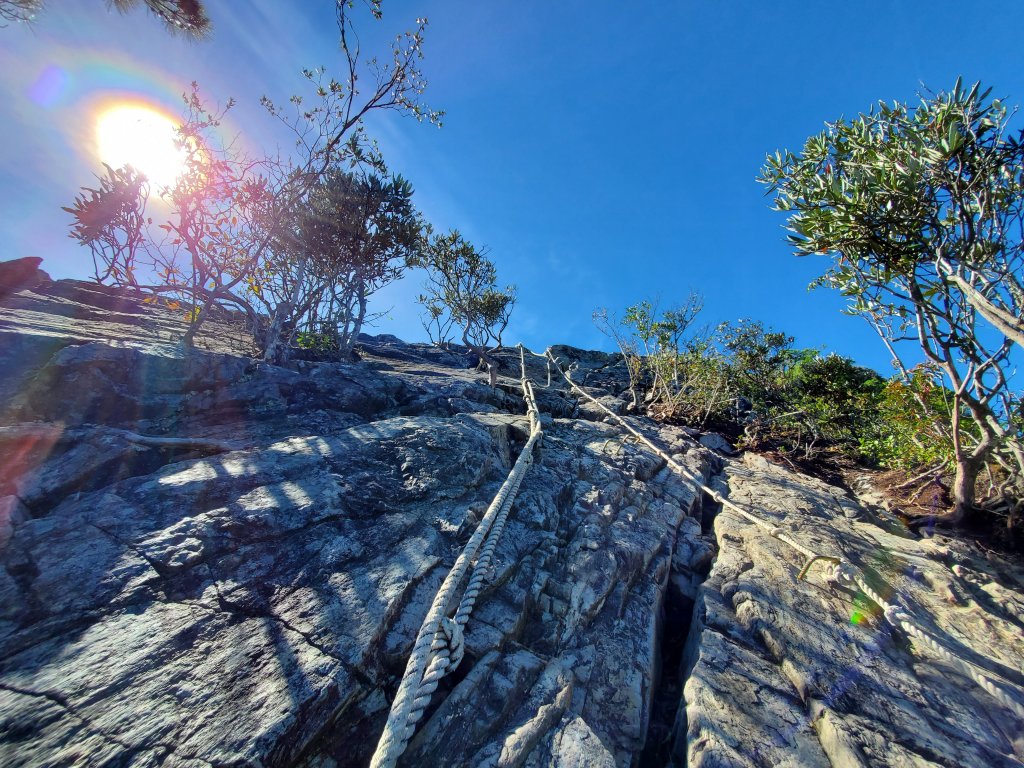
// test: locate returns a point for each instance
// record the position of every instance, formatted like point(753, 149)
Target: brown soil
point(920, 506)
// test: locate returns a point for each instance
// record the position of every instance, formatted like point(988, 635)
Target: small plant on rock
point(462, 292)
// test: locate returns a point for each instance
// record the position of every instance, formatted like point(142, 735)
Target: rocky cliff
point(212, 561)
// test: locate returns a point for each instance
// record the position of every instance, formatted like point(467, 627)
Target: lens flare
point(143, 137)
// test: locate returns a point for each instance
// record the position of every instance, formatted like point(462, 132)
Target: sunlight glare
point(142, 137)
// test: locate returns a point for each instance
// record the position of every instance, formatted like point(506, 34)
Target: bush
point(912, 429)
point(462, 292)
point(743, 378)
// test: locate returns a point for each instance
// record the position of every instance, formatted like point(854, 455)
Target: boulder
point(717, 443)
point(19, 274)
point(788, 672)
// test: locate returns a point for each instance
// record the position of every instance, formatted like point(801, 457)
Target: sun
point(143, 137)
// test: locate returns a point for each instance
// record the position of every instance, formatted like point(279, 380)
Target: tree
point(831, 399)
point(745, 377)
point(922, 211)
point(356, 234)
point(662, 354)
point(759, 359)
point(662, 338)
point(185, 16)
point(628, 342)
point(913, 423)
point(231, 214)
point(462, 290)
point(111, 221)
point(19, 10)
point(225, 211)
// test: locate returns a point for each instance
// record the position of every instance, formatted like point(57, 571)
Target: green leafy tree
point(663, 338)
point(356, 234)
point(921, 210)
point(833, 400)
point(758, 362)
point(111, 220)
point(745, 377)
point(462, 292)
point(231, 215)
point(761, 366)
point(913, 427)
point(665, 357)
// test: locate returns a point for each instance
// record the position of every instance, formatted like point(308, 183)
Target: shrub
point(462, 291)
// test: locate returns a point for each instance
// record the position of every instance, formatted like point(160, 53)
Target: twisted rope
point(841, 572)
point(439, 644)
point(850, 576)
point(772, 530)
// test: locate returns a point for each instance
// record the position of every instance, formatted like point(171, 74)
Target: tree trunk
point(357, 326)
point(197, 321)
point(273, 347)
point(281, 313)
point(963, 490)
point(351, 325)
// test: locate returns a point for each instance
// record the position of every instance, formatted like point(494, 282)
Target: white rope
point(850, 576)
point(841, 572)
point(439, 644)
point(770, 529)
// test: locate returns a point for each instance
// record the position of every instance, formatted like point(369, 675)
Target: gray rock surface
point(787, 672)
point(717, 443)
point(205, 560)
point(21, 274)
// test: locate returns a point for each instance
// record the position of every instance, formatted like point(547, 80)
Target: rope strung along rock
point(438, 648)
point(841, 572)
point(770, 529)
point(850, 576)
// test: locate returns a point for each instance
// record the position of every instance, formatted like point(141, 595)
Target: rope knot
point(897, 615)
point(843, 574)
point(455, 639)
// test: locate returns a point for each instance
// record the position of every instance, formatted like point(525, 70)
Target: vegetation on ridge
point(922, 213)
point(462, 292)
point(298, 243)
point(920, 209)
point(745, 379)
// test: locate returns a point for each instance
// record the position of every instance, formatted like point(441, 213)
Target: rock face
point(212, 561)
point(816, 672)
point(19, 274)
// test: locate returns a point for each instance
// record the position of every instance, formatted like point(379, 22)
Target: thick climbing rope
point(842, 573)
point(772, 530)
point(849, 576)
point(439, 644)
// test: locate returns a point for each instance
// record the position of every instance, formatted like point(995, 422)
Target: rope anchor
point(811, 561)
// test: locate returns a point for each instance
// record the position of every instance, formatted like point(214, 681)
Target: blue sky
point(604, 152)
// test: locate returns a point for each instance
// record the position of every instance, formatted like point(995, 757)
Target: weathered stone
point(12, 513)
point(249, 595)
point(19, 274)
point(717, 443)
point(797, 673)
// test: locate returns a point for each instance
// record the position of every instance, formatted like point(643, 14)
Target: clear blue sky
point(605, 152)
